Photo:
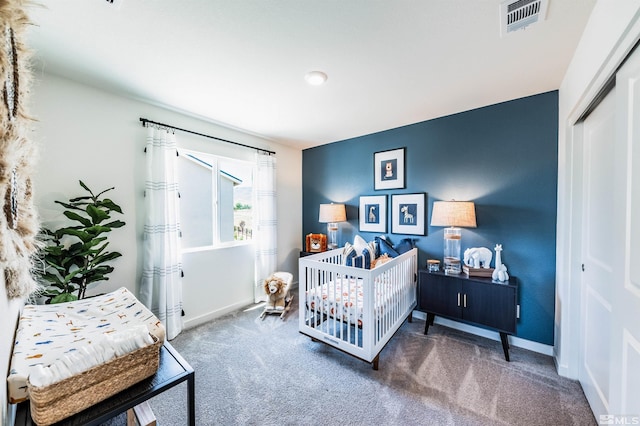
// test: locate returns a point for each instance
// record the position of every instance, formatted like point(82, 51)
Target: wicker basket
point(50, 404)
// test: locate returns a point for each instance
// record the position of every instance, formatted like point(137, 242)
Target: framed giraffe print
point(373, 213)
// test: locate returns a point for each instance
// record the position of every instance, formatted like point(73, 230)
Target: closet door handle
point(465, 300)
point(458, 298)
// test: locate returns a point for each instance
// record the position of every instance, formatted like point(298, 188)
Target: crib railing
point(355, 310)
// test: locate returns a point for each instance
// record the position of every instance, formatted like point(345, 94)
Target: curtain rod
point(145, 121)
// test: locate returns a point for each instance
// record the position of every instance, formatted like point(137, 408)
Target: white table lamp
point(331, 214)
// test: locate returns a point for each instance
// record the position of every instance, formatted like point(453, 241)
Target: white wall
point(611, 33)
point(96, 136)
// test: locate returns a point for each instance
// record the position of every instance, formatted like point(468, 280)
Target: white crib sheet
point(47, 332)
point(345, 299)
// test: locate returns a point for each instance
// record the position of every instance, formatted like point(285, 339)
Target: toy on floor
point(278, 289)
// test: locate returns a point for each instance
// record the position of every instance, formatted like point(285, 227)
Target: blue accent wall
point(503, 157)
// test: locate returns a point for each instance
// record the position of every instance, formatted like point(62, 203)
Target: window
point(216, 194)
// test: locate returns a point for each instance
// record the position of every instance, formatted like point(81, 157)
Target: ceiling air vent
point(518, 14)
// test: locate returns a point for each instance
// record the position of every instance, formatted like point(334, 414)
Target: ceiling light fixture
point(315, 78)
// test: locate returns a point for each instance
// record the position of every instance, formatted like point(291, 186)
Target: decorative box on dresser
point(475, 300)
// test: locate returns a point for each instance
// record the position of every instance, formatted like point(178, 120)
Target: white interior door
point(598, 260)
point(610, 289)
point(625, 332)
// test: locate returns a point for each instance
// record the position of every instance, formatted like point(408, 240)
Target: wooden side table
point(172, 370)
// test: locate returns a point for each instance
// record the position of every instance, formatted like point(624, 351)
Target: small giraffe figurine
point(500, 271)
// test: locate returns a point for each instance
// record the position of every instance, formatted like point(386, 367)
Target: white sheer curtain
point(161, 286)
point(266, 243)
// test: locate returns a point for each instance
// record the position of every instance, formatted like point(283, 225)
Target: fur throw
point(18, 220)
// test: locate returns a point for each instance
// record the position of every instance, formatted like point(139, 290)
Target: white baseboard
point(493, 335)
point(246, 304)
point(194, 322)
point(563, 369)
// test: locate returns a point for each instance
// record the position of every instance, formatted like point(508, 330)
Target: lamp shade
point(454, 213)
point(330, 213)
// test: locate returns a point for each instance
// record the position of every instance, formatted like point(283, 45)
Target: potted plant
point(76, 256)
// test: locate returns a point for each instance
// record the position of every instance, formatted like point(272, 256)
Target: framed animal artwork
point(408, 214)
point(316, 243)
point(388, 169)
point(373, 213)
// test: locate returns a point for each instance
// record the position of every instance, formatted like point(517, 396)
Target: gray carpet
point(263, 372)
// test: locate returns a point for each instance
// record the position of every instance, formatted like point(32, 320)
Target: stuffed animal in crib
point(276, 289)
point(477, 257)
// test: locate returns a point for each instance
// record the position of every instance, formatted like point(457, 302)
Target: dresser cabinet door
point(440, 295)
point(491, 305)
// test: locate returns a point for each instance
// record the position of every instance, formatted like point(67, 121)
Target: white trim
point(209, 316)
point(218, 246)
point(493, 335)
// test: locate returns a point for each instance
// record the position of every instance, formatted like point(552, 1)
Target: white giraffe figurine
point(500, 271)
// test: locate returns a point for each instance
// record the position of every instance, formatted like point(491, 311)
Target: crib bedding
point(343, 298)
point(51, 335)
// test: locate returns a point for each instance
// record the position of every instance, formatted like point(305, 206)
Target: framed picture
point(408, 214)
point(388, 169)
point(373, 213)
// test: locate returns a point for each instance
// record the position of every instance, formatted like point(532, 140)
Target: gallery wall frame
point(373, 213)
point(389, 169)
point(409, 213)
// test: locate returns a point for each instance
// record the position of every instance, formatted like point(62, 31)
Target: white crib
point(352, 309)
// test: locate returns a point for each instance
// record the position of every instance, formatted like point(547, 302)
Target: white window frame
point(213, 161)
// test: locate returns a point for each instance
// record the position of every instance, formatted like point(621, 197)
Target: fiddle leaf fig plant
point(76, 256)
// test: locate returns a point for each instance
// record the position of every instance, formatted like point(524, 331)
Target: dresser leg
point(505, 345)
point(428, 322)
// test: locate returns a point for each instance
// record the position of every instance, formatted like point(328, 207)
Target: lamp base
point(332, 234)
point(452, 237)
point(452, 266)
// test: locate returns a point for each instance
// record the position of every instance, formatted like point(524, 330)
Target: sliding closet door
point(625, 332)
point(610, 214)
point(598, 253)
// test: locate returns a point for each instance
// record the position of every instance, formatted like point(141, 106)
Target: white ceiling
point(241, 63)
